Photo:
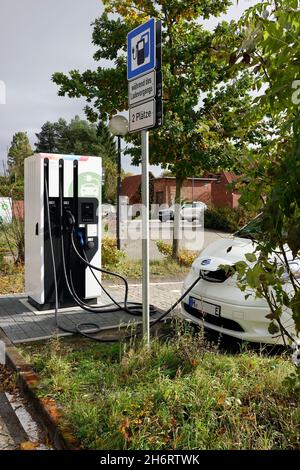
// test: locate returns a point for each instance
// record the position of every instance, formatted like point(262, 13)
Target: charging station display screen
point(87, 211)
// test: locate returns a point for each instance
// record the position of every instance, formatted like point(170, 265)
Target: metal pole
point(118, 192)
point(145, 235)
point(193, 190)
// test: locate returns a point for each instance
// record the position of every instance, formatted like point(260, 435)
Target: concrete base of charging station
point(21, 323)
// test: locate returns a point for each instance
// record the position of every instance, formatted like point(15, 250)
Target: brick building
point(211, 189)
point(18, 209)
point(221, 195)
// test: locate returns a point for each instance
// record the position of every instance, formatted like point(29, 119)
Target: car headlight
point(294, 267)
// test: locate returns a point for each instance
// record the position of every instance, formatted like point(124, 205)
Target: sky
point(38, 38)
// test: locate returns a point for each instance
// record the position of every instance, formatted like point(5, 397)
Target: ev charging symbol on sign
point(141, 49)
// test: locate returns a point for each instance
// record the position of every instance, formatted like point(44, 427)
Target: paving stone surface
point(21, 324)
point(6, 440)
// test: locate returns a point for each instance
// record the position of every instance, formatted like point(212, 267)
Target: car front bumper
point(248, 323)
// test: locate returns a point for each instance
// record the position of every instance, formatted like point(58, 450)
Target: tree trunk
point(176, 228)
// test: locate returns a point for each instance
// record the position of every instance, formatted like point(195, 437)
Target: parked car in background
point(188, 211)
point(216, 301)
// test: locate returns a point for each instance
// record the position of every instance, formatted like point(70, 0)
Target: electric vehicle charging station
point(63, 241)
point(74, 181)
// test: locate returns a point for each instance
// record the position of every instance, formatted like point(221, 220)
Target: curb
point(46, 411)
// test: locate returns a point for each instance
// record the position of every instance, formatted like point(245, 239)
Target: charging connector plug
point(80, 237)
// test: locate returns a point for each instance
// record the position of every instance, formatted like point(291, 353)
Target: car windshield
point(251, 229)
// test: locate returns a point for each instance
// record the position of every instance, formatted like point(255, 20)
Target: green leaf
point(293, 239)
point(295, 306)
point(250, 257)
point(273, 328)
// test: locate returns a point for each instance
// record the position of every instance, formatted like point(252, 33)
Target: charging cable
point(133, 308)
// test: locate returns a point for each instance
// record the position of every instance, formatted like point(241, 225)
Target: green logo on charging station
point(89, 185)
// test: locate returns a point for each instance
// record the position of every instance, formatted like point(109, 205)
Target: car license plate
point(205, 307)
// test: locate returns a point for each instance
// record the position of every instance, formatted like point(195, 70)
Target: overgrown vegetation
point(185, 257)
point(12, 277)
point(12, 240)
point(111, 256)
point(13, 190)
point(14, 236)
point(180, 394)
point(272, 173)
point(227, 219)
point(11, 271)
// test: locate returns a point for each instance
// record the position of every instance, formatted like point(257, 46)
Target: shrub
point(12, 278)
point(226, 218)
point(111, 256)
point(164, 248)
point(16, 191)
point(185, 257)
point(12, 239)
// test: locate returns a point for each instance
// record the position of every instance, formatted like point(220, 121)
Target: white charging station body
point(37, 261)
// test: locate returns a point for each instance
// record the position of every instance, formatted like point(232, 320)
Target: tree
point(195, 63)
point(107, 142)
point(47, 139)
point(19, 149)
point(80, 137)
point(272, 175)
point(110, 181)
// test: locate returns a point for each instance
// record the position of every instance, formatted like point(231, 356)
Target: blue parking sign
point(141, 49)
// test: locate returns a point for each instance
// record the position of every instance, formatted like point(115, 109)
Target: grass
point(180, 394)
point(12, 278)
point(159, 269)
point(3, 242)
point(11, 275)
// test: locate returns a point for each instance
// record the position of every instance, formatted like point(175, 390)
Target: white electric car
point(217, 303)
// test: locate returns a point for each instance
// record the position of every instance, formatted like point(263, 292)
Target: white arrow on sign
point(142, 116)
